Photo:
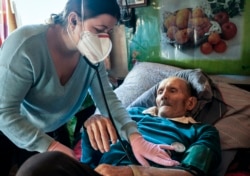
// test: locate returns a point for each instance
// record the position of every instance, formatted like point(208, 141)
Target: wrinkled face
point(173, 99)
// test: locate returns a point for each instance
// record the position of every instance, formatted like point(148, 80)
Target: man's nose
point(164, 94)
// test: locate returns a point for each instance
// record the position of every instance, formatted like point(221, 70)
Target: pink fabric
point(78, 150)
point(238, 174)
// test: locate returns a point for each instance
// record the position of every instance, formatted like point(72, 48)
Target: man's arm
point(134, 170)
point(154, 171)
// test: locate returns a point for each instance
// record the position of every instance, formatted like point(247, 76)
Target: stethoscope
point(95, 67)
point(124, 146)
point(178, 147)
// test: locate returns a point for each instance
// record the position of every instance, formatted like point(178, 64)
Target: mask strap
point(82, 12)
point(69, 34)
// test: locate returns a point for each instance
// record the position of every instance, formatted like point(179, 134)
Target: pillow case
point(140, 85)
point(142, 77)
point(199, 81)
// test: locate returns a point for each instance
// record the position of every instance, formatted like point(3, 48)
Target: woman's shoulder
point(24, 33)
point(31, 29)
point(23, 44)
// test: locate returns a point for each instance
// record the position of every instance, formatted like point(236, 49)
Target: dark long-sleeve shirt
point(200, 140)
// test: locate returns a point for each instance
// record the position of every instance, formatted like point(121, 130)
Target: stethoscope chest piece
point(178, 147)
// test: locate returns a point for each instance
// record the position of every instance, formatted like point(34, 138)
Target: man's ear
point(191, 103)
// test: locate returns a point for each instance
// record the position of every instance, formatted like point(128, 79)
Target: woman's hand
point(143, 150)
point(100, 131)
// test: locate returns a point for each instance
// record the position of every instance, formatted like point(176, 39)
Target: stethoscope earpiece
point(74, 22)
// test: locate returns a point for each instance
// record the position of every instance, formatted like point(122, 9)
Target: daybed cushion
point(234, 126)
point(138, 89)
point(234, 120)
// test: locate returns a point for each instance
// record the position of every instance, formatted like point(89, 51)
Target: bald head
point(174, 97)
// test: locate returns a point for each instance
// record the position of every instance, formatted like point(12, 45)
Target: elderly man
point(194, 146)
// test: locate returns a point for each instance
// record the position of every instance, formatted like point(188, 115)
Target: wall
point(35, 12)
point(149, 43)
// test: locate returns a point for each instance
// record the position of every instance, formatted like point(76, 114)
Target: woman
point(45, 75)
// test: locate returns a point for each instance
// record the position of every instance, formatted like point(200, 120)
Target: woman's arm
point(124, 124)
point(16, 79)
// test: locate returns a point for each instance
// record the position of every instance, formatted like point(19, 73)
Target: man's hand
point(143, 150)
point(100, 131)
point(109, 170)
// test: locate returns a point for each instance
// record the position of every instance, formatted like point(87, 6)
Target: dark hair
point(91, 9)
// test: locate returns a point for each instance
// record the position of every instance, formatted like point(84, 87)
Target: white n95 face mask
point(95, 47)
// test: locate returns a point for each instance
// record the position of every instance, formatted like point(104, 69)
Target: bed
point(220, 104)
